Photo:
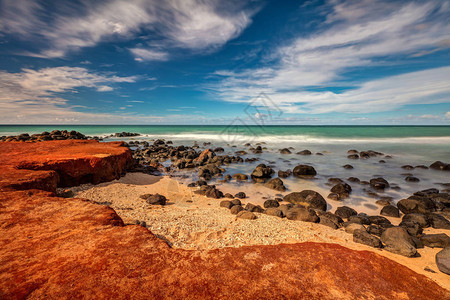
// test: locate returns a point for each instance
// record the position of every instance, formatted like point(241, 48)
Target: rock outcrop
point(53, 247)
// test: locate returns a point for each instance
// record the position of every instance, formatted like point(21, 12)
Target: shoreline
point(56, 246)
point(203, 225)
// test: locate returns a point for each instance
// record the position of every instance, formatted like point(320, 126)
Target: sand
point(190, 221)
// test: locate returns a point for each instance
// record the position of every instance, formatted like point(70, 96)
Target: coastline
point(203, 225)
point(187, 222)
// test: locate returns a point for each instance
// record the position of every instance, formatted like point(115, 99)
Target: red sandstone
point(53, 247)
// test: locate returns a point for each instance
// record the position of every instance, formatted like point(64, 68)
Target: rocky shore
point(85, 247)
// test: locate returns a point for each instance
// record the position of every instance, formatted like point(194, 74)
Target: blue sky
point(208, 62)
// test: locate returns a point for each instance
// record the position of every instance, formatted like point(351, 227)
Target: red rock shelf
point(53, 247)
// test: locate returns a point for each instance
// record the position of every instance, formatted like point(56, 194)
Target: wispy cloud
point(355, 34)
point(141, 54)
point(190, 24)
point(36, 94)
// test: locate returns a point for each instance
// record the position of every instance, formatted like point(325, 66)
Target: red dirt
point(53, 247)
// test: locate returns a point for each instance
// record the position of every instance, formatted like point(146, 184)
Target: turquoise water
point(312, 131)
point(413, 145)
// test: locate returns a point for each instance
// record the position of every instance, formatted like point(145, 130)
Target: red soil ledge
point(54, 247)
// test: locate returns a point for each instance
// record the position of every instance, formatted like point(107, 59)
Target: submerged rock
point(304, 171)
point(307, 198)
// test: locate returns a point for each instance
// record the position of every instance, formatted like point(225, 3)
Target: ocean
point(408, 145)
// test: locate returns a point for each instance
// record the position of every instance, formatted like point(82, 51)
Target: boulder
point(285, 151)
point(420, 219)
point(284, 174)
point(443, 260)
point(254, 208)
point(351, 227)
point(273, 211)
point(262, 173)
point(342, 189)
point(375, 230)
point(397, 240)
point(155, 199)
point(236, 202)
point(307, 198)
point(345, 212)
point(359, 219)
point(378, 220)
point(439, 240)
point(276, 184)
point(348, 167)
point(304, 152)
point(365, 238)
point(240, 195)
point(379, 183)
point(353, 156)
point(438, 165)
point(412, 179)
point(226, 203)
point(235, 209)
point(240, 177)
point(244, 214)
point(302, 214)
point(303, 171)
point(329, 219)
point(390, 211)
point(413, 228)
point(271, 203)
point(438, 221)
point(416, 204)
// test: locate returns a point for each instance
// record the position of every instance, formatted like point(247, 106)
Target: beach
point(185, 194)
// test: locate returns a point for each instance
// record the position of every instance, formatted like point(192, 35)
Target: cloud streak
point(188, 24)
point(356, 34)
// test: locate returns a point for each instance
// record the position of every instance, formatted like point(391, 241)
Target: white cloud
point(447, 115)
point(34, 95)
point(356, 34)
point(429, 86)
point(141, 54)
point(192, 24)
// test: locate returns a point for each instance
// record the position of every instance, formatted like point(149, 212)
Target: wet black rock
point(443, 260)
point(254, 208)
point(353, 179)
point(307, 198)
point(379, 183)
point(416, 204)
point(348, 167)
point(438, 165)
point(407, 167)
point(359, 219)
point(439, 240)
point(276, 184)
point(353, 156)
point(412, 179)
point(219, 150)
point(235, 209)
point(304, 152)
point(226, 203)
point(271, 203)
point(285, 151)
point(246, 215)
point(273, 211)
point(438, 221)
point(397, 240)
point(333, 196)
point(390, 211)
point(262, 173)
point(379, 220)
point(302, 214)
point(342, 189)
point(240, 195)
point(284, 174)
point(421, 219)
point(352, 152)
point(365, 238)
point(154, 199)
point(240, 177)
point(345, 212)
point(304, 171)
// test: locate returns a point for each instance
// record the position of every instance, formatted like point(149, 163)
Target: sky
point(214, 62)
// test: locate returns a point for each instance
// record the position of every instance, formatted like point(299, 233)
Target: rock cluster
point(47, 136)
